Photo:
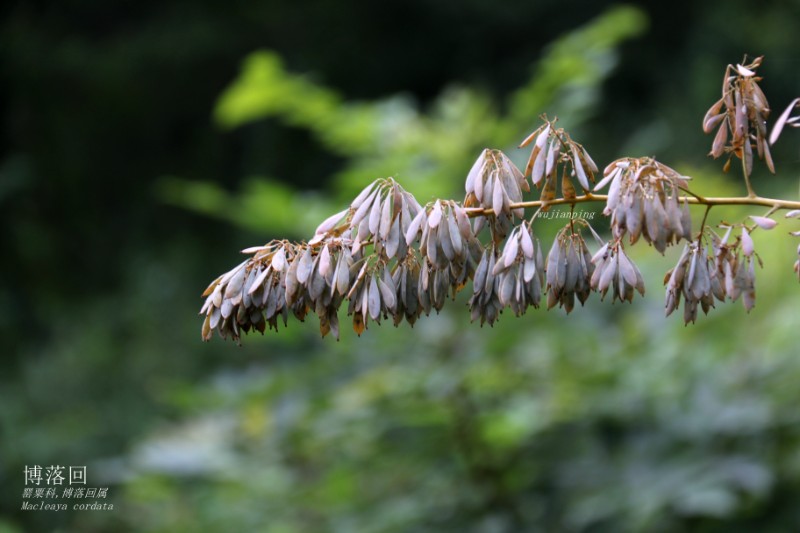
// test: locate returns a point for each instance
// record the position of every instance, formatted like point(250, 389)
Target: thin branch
point(771, 211)
point(535, 214)
point(703, 224)
point(571, 225)
point(750, 192)
point(687, 191)
point(708, 201)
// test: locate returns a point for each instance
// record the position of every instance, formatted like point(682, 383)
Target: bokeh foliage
point(610, 419)
point(427, 151)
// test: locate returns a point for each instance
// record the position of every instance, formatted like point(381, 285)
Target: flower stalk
point(712, 201)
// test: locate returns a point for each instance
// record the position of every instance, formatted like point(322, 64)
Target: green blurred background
point(145, 143)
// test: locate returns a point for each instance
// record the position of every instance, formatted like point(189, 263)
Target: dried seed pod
point(552, 147)
point(740, 117)
point(713, 116)
point(735, 265)
point(474, 183)
point(363, 208)
point(304, 264)
point(329, 224)
point(375, 213)
point(784, 120)
point(386, 219)
point(764, 222)
point(549, 190)
point(747, 242)
point(583, 167)
point(567, 189)
point(412, 233)
point(553, 153)
point(537, 156)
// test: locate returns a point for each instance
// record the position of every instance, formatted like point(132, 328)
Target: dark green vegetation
point(143, 144)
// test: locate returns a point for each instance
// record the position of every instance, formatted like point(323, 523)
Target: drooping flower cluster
point(520, 270)
point(741, 117)
point(380, 215)
point(729, 273)
point(694, 278)
point(485, 301)
point(283, 277)
point(373, 295)
point(449, 249)
point(643, 200)
point(552, 147)
point(569, 269)
point(494, 182)
point(735, 265)
point(251, 295)
point(317, 280)
point(406, 275)
point(614, 270)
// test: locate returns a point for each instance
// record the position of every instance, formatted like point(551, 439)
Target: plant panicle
point(391, 258)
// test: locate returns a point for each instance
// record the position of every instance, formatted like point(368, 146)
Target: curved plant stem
point(703, 224)
point(533, 217)
point(750, 192)
point(571, 212)
point(694, 200)
point(687, 191)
